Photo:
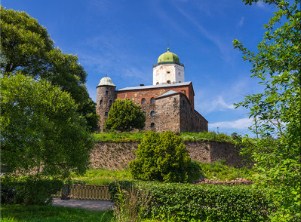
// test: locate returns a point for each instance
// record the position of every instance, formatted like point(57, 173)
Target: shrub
point(163, 157)
point(125, 115)
point(29, 190)
point(187, 202)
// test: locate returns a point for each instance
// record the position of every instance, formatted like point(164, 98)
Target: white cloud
point(216, 104)
point(260, 4)
point(241, 22)
point(239, 124)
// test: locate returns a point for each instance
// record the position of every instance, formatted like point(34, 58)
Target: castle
point(168, 104)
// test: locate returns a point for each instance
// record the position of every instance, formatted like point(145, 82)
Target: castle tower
point(105, 97)
point(168, 70)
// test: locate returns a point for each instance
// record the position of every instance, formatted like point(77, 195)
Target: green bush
point(29, 190)
point(125, 115)
point(188, 202)
point(163, 157)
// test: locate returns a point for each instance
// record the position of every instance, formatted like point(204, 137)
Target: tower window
point(143, 101)
point(157, 83)
point(106, 113)
point(152, 125)
point(168, 81)
point(100, 102)
point(107, 92)
point(168, 72)
point(110, 102)
point(152, 113)
point(152, 100)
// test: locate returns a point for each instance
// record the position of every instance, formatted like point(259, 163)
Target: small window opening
point(168, 72)
point(152, 113)
point(157, 83)
point(152, 100)
point(143, 101)
point(168, 82)
point(110, 102)
point(100, 102)
point(107, 92)
point(106, 113)
point(152, 125)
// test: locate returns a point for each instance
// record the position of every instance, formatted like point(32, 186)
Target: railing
point(86, 192)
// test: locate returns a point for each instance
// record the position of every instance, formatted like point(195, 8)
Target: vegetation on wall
point(125, 115)
point(277, 109)
point(163, 157)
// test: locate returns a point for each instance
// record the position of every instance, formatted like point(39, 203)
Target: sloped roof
point(155, 86)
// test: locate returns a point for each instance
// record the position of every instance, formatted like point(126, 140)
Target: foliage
point(277, 110)
point(219, 171)
point(186, 137)
point(119, 137)
point(29, 190)
point(19, 213)
point(41, 131)
point(102, 176)
point(163, 157)
point(189, 202)
point(27, 48)
point(125, 115)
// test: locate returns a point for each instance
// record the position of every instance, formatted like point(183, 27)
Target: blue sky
point(123, 39)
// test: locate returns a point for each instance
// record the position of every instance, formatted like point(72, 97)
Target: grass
point(102, 176)
point(137, 137)
point(20, 213)
point(216, 171)
point(222, 172)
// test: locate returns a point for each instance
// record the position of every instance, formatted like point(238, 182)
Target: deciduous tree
point(27, 48)
point(277, 110)
point(125, 115)
point(41, 130)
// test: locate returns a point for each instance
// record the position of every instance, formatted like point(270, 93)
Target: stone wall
point(118, 155)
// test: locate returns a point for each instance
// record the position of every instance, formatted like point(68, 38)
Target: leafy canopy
point(41, 130)
point(163, 157)
point(277, 110)
point(27, 48)
point(125, 115)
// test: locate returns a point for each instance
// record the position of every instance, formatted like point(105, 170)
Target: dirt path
point(99, 205)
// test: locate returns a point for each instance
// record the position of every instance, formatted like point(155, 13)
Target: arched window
point(107, 92)
point(152, 113)
point(100, 102)
point(157, 83)
point(152, 125)
point(143, 101)
point(110, 102)
point(168, 81)
point(152, 100)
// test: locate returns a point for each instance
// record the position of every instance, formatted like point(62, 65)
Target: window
point(143, 101)
point(106, 113)
point(168, 81)
point(152, 125)
point(152, 100)
point(107, 92)
point(100, 102)
point(110, 102)
point(152, 113)
point(157, 83)
point(168, 72)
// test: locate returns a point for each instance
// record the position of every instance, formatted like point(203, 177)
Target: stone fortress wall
point(117, 155)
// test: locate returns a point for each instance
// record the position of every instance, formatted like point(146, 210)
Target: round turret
point(105, 97)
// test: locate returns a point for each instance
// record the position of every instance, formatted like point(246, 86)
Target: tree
point(163, 157)
point(27, 48)
point(125, 115)
point(276, 110)
point(41, 130)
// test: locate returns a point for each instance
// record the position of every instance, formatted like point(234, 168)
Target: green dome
point(168, 57)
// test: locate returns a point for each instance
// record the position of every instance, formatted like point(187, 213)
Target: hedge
point(191, 202)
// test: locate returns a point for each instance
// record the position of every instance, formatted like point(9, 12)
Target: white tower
point(168, 70)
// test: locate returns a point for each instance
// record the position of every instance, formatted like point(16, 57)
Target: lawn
point(20, 213)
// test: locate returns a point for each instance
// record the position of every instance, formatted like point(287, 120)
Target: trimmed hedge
point(29, 190)
point(191, 202)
